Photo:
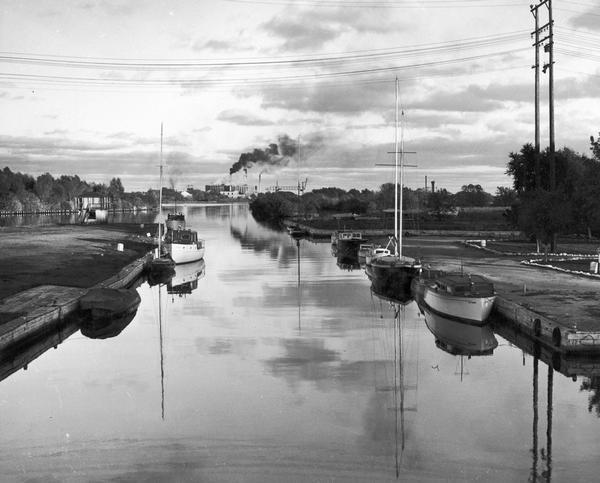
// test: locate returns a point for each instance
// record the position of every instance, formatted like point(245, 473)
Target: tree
point(472, 195)
point(43, 186)
point(595, 147)
point(544, 214)
point(115, 188)
point(505, 196)
point(440, 203)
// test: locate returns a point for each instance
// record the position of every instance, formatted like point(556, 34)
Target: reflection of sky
point(251, 390)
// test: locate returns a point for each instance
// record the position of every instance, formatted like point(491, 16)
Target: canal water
point(269, 361)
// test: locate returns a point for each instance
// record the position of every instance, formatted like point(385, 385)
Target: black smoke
point(278, 154)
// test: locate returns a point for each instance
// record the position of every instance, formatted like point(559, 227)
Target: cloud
point(242, 118)
point(589, 20)
point(215, 45)
point(344, 99)
point(309, 29)
point(302, 34)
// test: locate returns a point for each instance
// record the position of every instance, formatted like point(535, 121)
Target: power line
point(72, 80)
point(154, 64)
point(383, 4)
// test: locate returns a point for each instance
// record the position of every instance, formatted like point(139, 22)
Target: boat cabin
point(465, 285)
point(183, 237)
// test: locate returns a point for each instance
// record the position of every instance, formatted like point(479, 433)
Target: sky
point(86, 84)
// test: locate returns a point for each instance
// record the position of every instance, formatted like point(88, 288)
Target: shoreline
point(70, 259)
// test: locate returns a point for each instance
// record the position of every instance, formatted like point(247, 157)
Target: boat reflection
point(348, 262)
point(384, 292)
point(106, 327)
point(186, 277)
point(459, 337)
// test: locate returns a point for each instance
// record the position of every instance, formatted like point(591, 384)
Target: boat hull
point(391, 275)
point(474, 310)
point(185, 252)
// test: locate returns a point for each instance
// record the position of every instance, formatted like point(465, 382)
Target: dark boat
point(348, 243)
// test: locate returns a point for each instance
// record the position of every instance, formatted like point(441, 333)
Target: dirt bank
point(69, 255)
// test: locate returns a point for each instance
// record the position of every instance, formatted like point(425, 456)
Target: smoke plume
point(278, 155)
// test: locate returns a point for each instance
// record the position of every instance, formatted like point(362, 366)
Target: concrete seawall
point(547, 331)
point(42, 307)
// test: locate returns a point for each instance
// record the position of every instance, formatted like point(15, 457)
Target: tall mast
point(160, 189)
point(401, 179)
point(396, 174)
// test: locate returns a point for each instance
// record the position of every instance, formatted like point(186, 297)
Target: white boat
point(184, 246)
point(462, 296)
point(395, 271)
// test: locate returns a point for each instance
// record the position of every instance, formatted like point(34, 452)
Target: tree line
point(438, 204)
point(24, 193)
point(534, 207)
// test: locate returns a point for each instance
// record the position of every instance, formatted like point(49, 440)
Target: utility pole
point(548, 42)
point(537, 97)
point(549, 47)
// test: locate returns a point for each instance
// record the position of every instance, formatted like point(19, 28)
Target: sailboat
point(161, 266)
point(394, 272)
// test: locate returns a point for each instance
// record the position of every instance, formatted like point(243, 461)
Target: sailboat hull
point(392, 274)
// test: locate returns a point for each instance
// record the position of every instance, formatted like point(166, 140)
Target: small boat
point(348, 243)
point(463, 296)
point(364, 249)
point(458, 337)
point(109, 302)
point(296, 231)
point(184, 246)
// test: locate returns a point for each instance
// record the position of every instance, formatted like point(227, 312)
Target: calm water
point(269, 362)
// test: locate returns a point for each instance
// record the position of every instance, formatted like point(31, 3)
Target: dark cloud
point(243, 118)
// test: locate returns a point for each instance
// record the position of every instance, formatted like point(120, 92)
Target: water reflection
point(293, 369)
point(185, 279)
point(401, 387)
point(106, 327)
point(20, 355)
point(459, 338)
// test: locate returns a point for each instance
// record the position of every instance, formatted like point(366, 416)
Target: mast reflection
point(397, 304)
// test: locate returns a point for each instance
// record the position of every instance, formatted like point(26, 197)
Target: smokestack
point(259, 176)
point(425, 183)
point(433, 186)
